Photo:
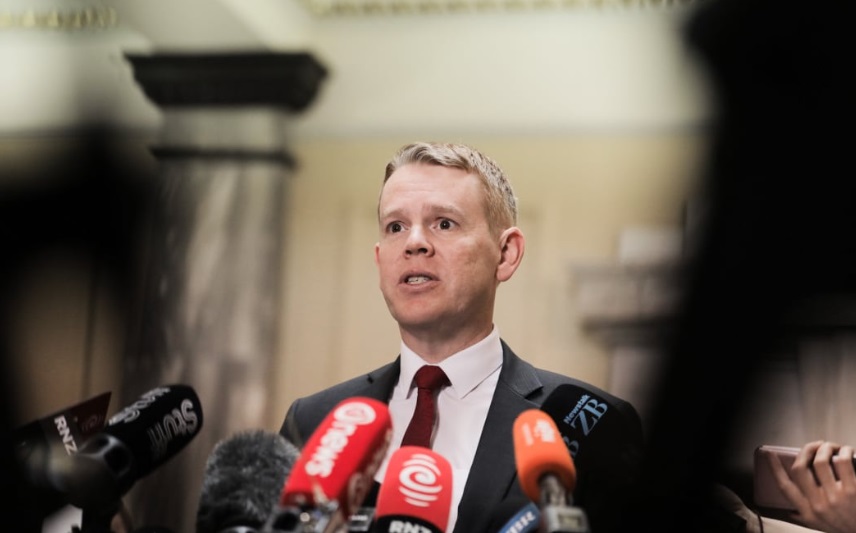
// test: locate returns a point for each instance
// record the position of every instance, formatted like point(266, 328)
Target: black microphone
point(244, 476)
point(136, 441)
point(32, 446)
point(594, 425)
point(605, 438)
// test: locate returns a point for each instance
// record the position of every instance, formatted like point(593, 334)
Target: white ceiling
point(538, 68)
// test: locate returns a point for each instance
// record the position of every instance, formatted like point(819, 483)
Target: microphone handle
point(564, 519)
point(552, 490)
point(97, 519)
point(558, 514)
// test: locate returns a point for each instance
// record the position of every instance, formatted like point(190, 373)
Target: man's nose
point(418, 242)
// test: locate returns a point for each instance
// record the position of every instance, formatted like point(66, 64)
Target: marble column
point(210, 301)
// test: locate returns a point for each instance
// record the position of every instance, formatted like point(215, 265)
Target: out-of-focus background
point(189, 189)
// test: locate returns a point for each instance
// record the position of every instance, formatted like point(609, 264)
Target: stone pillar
point(629, 306)
point(210, 301)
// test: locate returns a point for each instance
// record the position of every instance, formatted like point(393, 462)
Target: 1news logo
point(346, 419)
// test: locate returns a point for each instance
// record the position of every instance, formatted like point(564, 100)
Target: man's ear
point(511, 243)
point(376, 253)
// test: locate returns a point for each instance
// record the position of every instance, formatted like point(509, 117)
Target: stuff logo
point(132, 412)
point(181, 421)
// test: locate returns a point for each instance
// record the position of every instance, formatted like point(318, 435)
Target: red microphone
point(416, 493)
point(546, 471)
point(336, 467)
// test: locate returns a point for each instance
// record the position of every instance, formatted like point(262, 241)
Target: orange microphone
point(546, 472)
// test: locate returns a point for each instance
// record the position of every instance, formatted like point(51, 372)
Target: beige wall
point(576, 195)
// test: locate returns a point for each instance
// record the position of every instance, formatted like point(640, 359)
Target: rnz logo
point(65, 432)
point(403, 526)
point(420, 480)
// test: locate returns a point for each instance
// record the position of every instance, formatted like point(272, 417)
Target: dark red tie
point(429, 379)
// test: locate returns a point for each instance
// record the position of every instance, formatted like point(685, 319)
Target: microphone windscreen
point(341, 457)
point(138, 439)
point(598, 429)
point(539, 450)
point(243, 477)
point(515, 515)
point(416, 491)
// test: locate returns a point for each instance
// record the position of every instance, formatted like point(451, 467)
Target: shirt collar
point(466, 369)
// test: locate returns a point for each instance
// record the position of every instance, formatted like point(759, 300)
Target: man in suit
point(448, 238)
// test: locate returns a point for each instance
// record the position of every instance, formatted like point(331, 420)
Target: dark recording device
point(136, 441)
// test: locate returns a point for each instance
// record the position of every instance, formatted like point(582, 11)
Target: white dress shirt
point(461, 407)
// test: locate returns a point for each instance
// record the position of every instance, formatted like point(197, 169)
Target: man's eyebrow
point(448, 209)
point(390, 213)
point(435, 209)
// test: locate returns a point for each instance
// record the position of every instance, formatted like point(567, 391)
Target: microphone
point(546, 472)
point(135, 441)
point(515, 515)
point(605, 439)
point(32, 445)
point(243, 478)
point(335, 469)
point(595, 427)
point(416, 493)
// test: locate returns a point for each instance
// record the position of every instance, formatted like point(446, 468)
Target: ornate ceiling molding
point(80, 19)
point(339, 8)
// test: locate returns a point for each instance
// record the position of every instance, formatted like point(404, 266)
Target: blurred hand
point(821, 484)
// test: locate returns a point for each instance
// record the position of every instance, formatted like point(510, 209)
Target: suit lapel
point(493, 469)
point(380, 382)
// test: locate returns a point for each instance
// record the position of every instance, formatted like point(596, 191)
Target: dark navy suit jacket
point(493, 476)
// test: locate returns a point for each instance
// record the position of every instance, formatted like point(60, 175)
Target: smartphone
point(766, 492)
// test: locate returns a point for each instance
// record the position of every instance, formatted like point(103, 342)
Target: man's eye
point(445, 224)
point(395, 227)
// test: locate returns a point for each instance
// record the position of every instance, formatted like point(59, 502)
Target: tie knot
point(430, 377)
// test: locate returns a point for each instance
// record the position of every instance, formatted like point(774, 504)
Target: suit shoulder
point(307, 412)
point(336, 393)
point(553, 380)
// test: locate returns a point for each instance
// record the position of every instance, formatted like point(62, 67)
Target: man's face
point(436, 256)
